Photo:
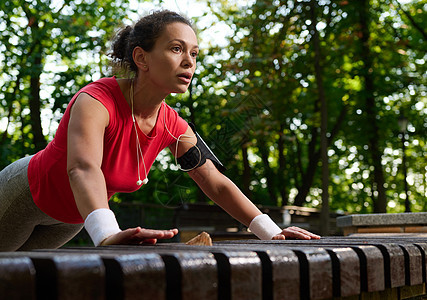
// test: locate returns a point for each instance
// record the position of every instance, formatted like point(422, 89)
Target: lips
point(185, 77)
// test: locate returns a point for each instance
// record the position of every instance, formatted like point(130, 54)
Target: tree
point(324, 120)
point(272, 57)
point(257, 101)
point(50, 50)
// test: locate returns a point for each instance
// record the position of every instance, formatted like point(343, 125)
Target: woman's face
point(172, 61)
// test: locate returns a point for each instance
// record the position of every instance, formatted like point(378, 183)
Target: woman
point(106, 142)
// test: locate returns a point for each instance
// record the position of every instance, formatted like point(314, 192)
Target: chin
point(180, 90)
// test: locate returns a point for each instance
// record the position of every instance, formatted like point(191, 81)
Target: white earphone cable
point(178, 139)
point(138, 144)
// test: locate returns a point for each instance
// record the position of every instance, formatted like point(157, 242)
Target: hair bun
point(120, 43)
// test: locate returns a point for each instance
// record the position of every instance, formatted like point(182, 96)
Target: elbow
point(76, 171)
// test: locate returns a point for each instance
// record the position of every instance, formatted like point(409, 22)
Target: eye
point(194, 54)
point(176, 49)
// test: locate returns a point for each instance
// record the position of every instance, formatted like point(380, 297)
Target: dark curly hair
point(142, 34)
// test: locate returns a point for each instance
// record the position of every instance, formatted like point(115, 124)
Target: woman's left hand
point(138, 236)
point(295, 233)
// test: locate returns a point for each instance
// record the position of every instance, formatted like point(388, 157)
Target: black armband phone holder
point(191, 159)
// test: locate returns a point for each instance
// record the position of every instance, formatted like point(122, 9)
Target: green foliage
point(49, 50)
point(255, 101)
point(271, 58)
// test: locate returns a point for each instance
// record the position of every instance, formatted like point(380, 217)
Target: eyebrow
point(182, 42)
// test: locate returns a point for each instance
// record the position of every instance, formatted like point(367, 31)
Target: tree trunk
point(324, 216)
point(307, 179)
point(282, 167)
point(39, 140)
point(308, 176)
point(313, 156)
point(380, 203)
point(246, 176)
point(35, 111)
point(10, 108)
point(268, 172)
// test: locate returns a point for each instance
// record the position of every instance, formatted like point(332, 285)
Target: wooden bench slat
point(70, 277)
point(346, 271)
point(315, 273)
point(371, 268)
point(131, 275)
point(240, 275)
point(17, 275)
point(394, 265)
point(413, 264)
point(196, 273)
point(423, 250)
point(284, 272)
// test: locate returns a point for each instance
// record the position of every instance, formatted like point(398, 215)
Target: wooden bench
point(392, 267)
point(384, 223)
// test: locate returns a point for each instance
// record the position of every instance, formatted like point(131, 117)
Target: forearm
point(226, 194)
point(229, 197)
point(89, 189)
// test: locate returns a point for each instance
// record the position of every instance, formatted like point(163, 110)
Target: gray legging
point(23, 226)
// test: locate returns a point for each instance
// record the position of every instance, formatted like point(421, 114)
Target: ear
point(139, 56)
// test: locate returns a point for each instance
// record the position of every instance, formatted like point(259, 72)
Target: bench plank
point(131, 275)
point(191, 275)
point(240, 275)
point(17, 278)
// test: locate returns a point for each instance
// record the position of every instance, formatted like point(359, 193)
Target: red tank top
point(47, 170)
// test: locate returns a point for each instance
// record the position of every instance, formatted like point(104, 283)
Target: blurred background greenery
point(301, 100)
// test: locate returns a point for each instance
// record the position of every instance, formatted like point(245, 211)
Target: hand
point(138, 236)
point(296, 233)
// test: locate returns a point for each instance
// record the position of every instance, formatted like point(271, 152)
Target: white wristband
point(264, 227)
point(101, 224)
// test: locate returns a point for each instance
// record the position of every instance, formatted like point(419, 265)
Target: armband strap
point(191, 159)
point(264, 227)
point(101, 224)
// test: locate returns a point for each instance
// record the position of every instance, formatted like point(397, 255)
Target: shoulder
point(170, 113)
point(102, 88)
point(107, 91)
point(173, 119)
point(87, 107)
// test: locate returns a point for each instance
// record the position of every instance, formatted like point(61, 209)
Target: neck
point(146, 102)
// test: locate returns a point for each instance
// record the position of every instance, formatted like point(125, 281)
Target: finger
point(139, 235)
point(157, 234)
point(305, 232)
point(295, 234)
point(279, 237)
point(149, 241)
point(123, 237)
point(312, 235)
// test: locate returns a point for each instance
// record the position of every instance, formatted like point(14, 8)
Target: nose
point(188, 60)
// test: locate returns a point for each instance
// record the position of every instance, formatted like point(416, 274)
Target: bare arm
point(86, 128)
point(227, 195)
point(224, 192)
point(216, 186)
point(88, 120)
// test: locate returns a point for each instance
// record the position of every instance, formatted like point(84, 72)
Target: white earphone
point(138, 145)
